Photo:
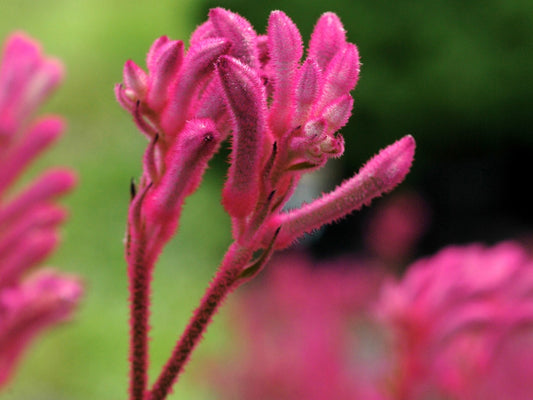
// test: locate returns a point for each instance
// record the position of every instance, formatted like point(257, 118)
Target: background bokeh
point(454, 74)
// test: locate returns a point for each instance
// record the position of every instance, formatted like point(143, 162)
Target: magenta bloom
point(462, 325)
point(282, 116)
point(29, 219)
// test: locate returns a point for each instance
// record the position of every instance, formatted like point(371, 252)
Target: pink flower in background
point(395, 227)
point(29, 219)
point(305, 331)
point(462, 325)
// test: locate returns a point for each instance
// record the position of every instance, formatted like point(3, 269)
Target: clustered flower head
point(281, 115)
point(29, 219)
point(462, 325)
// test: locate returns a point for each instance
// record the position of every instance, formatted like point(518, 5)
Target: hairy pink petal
point(341, 75)
point(164, 74)
point(380, 175)
point(185, 163)
point(246, 100)
point(202, 32)
point(239, 32)
point(198, 63)
point(338, 113)
point(39, 137)
point(135, 79)
point(327, 39)
point(154, 54)
point(307, 90)
point(286, 49)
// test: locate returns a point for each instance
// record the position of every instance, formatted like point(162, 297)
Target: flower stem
point(225, 281)
point(139, 281)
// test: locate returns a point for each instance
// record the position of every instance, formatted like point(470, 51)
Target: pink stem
point(139, 286)
point(224, 282)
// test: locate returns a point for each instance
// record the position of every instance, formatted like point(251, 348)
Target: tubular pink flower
point(285, 47)
point(239, 32)
point(27, 309)
point(198, 63)
point(168, 65)
point(44, 189)
point(29, 301)
point(26, 79)
point(246, 100)
point(380, 175)
point(28, 252)
point(327, 39)
point(308, 87)
point(25, 150)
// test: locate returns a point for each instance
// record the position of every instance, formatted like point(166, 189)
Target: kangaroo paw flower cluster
point(29, 219)
point(282, 115)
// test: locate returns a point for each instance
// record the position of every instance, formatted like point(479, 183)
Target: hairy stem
point(139, 282)
point(224, 282)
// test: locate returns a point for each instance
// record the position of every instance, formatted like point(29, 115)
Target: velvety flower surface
point(29, 219)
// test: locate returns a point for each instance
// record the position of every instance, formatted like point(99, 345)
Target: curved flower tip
point(26, 79)
point(380, 175)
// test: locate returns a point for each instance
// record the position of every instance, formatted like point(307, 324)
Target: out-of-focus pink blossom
point(462, 325)
point(305, 332)
point(38, 302)
point(29, 219)
point(395, 226)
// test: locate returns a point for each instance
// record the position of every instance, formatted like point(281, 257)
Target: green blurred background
point(455, 74)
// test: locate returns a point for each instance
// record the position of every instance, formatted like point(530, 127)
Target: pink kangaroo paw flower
point(338, 113)
point(39, 137)
point(245, 97)
point(286, 49)
point(328, 38)
point(340, 77)
point(309, 83)
point(163, 74)
point(28, 220)
point(40, 302)
point(47, 187)
point(42, 218)
point(185, 163)
point(198, 63)
point(135, 80)
point(380, 175)
point(26, 79)
point(238, 31)
point(29, 252)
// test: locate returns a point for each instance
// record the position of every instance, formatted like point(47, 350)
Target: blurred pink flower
point(396, 225)
point(29, 302)
point(305, 332)
point(462, 325)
